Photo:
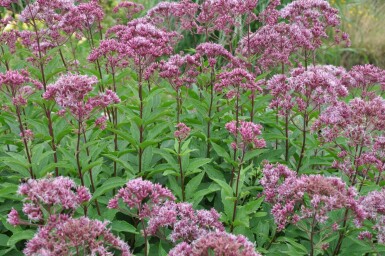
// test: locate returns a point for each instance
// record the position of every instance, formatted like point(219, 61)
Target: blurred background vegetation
point(363, 20)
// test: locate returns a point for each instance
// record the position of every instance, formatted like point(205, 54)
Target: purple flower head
point(71, 92)
point(131, 8)
point(307, 90)
point(182, 14)
point(219, 243)
point(315, 15)
point(6, 3)
point(361, 123)
point(186, 223)
point(13, 217)
point(235, 80)
point(112, 52)
point(374, 205)
point(273, 45)
point(180, 70)
point(142, 195)
point(224, 15)
point(270, 15)
point(182, 132)
point(248, 133)
point(365, 78)
point(69, 236)
point(58, 193)
point(16, 85)
point(212, 52)
point(288, 192)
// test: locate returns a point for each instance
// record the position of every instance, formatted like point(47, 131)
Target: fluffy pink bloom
point(27, 135)
point(213, 52)
point(308, 89)
point(273, 45)
point(180, 70)
point(186, 223)
point(16, 85)
point(289, 195)
point(374, 205)
point(8, 37)
point(182, 131)
point(248, 133)
point(315, 15)
point(112, 52)
point(361, 123)
point(365, 78)
point(13, 217)
point(182, 14)
point(142, 195)
point(71, 92)
point(69, 236)
point(220, 243)
point(235, 80)
point(6, 3)
point(131, 8)
point(224, 15)
point(56, 193)
point(270, 15)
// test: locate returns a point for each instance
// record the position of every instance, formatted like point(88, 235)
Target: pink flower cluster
point(182, 132)
point(181, 13)
point(187, 224)
point(248, 133)
point(365, 78)
point(235, 80)
point(60, 193)
point(273, 45)
point(144, 42)
point(213, 52)
point(68, 236)
point(218, 243)
point(316, 16)
point(288, 192)
point(374, 205)
point(141, 195)
point(361, 123)
point(71, 92)
point(131, 8)
point(8, 37)
point(180, 70)
point(16, 85)
point(114, 53)
point(224, 15)
point(6, 3)
point(307, 90)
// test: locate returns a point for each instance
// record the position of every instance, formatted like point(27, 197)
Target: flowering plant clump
point(219, 243)
point(67, 236)
point(186, 127)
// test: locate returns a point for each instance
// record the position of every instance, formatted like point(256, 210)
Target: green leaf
point(221, 151)
point(193, 185)
point(197, 162)
point(123, 226)
point(108, 185)
point(19, 236)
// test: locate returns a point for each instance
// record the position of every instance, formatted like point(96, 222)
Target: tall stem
point(287, 137)
point(237, 189)
point(210, 112)
point(236, 135)
point(181, 171)
point(22, 131)
point(44, 82)
point(312, 235)
point(91, 177)
point(77, 156)
point(305, 117)
point(141, 128)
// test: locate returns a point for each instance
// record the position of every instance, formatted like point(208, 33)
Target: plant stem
point(305, 117)
point(27, 150)
point(209, 114)
point(77, 156)
point(141, 128)
point(312, 235)
point(236, 135)
point(237, 189)
point(145, 237)
point(91, 177)
point(181, 171)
